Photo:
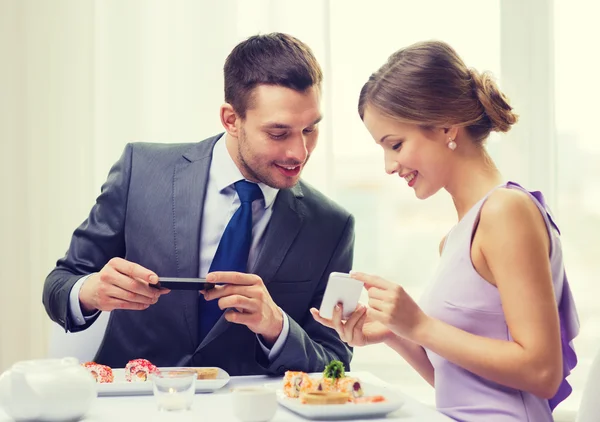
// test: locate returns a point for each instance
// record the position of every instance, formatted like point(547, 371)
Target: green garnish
point(334, 370)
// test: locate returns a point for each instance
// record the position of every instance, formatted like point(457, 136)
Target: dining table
point(218, 407)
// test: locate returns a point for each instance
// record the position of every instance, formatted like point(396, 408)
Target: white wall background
point(80, 78)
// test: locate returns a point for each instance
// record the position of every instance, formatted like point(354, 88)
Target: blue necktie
point(232, 252)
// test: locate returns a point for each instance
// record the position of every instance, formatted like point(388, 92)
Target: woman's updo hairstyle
point(428, 84)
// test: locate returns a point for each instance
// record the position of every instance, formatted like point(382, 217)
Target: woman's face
point(418, 155)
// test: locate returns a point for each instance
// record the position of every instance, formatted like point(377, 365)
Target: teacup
point(254, 404)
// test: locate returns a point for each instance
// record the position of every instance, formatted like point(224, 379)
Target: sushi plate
point(120, 387)
point(392, 402)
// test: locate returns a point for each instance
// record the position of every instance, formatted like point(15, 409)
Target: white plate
point(120, 387)
point(348, 410)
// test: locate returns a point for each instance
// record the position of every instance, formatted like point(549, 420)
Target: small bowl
point(254, 404)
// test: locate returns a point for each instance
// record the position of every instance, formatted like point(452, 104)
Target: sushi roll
point(351, 386)
point(295, 382)
point(207, 373)
point(101, 373)
point(334, 371)
point(327, 385)
point(138, 370)
point(308, 384)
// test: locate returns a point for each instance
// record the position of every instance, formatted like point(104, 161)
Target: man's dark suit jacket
point(150, 212)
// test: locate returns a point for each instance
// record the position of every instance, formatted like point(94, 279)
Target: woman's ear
point(229, 118)
point(451, 132)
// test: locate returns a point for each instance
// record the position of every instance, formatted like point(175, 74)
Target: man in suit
point(231, 208)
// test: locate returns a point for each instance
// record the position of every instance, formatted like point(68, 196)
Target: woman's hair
point(428, 84)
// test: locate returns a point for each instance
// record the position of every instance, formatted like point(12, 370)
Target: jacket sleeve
point(98, 239)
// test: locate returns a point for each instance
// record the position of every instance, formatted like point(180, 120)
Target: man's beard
point(242, 143)
point(246, 156)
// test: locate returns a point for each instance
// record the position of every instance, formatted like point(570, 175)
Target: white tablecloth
point(217, 407)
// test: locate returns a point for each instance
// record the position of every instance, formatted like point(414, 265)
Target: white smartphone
point(341, 288)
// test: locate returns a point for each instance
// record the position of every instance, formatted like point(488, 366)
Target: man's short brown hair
point(271, 59)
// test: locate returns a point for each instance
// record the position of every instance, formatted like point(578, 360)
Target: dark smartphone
point(174, 283)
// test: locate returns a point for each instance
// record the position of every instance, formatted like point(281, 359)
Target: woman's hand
point(390, 305)
point(358, 330)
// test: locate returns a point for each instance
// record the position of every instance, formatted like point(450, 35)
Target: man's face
point(278, 135)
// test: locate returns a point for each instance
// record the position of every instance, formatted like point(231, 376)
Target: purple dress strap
point(569, 328)
point(569, 321)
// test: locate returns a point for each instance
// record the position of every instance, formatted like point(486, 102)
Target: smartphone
point(341, 288)
point(174, 283)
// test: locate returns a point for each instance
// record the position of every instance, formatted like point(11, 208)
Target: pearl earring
point(451, 144)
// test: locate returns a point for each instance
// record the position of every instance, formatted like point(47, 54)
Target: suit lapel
point(190, 179)
point(286, 221)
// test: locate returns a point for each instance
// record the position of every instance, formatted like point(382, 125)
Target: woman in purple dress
point(493, 331)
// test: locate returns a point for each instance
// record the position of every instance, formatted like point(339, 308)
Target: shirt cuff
point(274, 352)
point(75, 312)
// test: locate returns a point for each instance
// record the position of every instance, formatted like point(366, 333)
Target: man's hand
point(119, 285)
point(247, 294)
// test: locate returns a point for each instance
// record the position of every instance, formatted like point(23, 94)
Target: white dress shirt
point(220, 204)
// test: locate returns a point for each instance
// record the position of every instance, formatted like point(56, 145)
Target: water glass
point(174, 390)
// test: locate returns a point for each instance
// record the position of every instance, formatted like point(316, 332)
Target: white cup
point(254, 404)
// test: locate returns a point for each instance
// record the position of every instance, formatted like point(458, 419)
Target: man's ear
point(229, 119)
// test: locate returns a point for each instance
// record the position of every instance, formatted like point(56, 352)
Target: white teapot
point(47, 390)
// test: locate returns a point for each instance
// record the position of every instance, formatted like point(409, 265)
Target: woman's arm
point(514, 243)
point(360, 330)
point(415, 355)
